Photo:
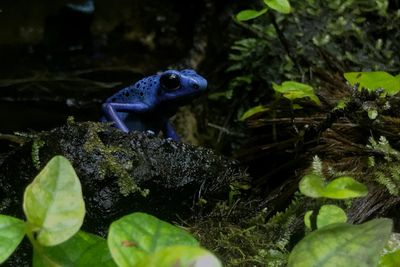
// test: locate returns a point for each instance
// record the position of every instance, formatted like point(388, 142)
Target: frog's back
point(143, 91)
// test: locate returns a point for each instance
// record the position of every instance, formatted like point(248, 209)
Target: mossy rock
point(122, 173)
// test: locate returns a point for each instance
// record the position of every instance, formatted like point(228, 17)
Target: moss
point(255, 241)
point(37, 143)
point(110, 162)
point(385, 166)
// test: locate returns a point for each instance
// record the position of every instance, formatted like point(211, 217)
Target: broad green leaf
point(374, 80)
point(53, 203)
point(307, 219)
point(249, 14)
point(391, 252)
point(312, 185)
point(12, 230)
point(294, 90)
point(252, 111)
point(133, 237)
point(342, 245)
point(182, 256)
point(97, 255)
point(282, 6)
point(344, 187)
point(83, 249)
point(330, 214)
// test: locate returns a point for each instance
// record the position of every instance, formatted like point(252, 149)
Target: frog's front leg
point(111, 112)
point(170, 132)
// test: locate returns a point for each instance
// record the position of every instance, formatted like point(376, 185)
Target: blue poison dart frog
point(149, 103)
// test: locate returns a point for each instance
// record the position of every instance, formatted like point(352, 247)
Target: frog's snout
point(199, 84)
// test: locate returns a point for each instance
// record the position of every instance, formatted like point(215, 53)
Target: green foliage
point(375, 80)
point(295, 90)
point(386, 171)
point(134, 238)
point(317, 166)
point(290, 90)
point(317, 35)
point(242, 48)
point(282, 225)
point(343, 245)
point(372, 114)
point(330, 214)
point(54, 206)
point(390, 259)
point(313, 185)
point(12, 230)
point(249, 14)
point(37, 144)
point(253, 111)
point(391, 252)
point(185, 256)
point(336, 243)
point(282, 6)
point(327, 214)
point(82, 249)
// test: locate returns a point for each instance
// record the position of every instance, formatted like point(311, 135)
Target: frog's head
point(180, 86)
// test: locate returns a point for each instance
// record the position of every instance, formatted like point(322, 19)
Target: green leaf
point(296, 106)
point(345, 187)
point(375, 80)
point(81, 250)
point(53, 203)
point(282, 6)
point(12, 230)
point(307, 219)
point(250, 14)
point(312, 185)
point(294, 90)
point(216, 96)
point(340, 105)
point(390, 259)
point(372, 114)
point(391, 252)
point(133, 237)
point(330, 214)
point(182, 256)
point(342, 245)
point(252, 111)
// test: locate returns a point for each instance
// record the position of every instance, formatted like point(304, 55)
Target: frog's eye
point(170, 81)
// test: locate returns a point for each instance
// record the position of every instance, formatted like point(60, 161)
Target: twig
point(13, 138)
point(14, 82)
point(225, 130)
